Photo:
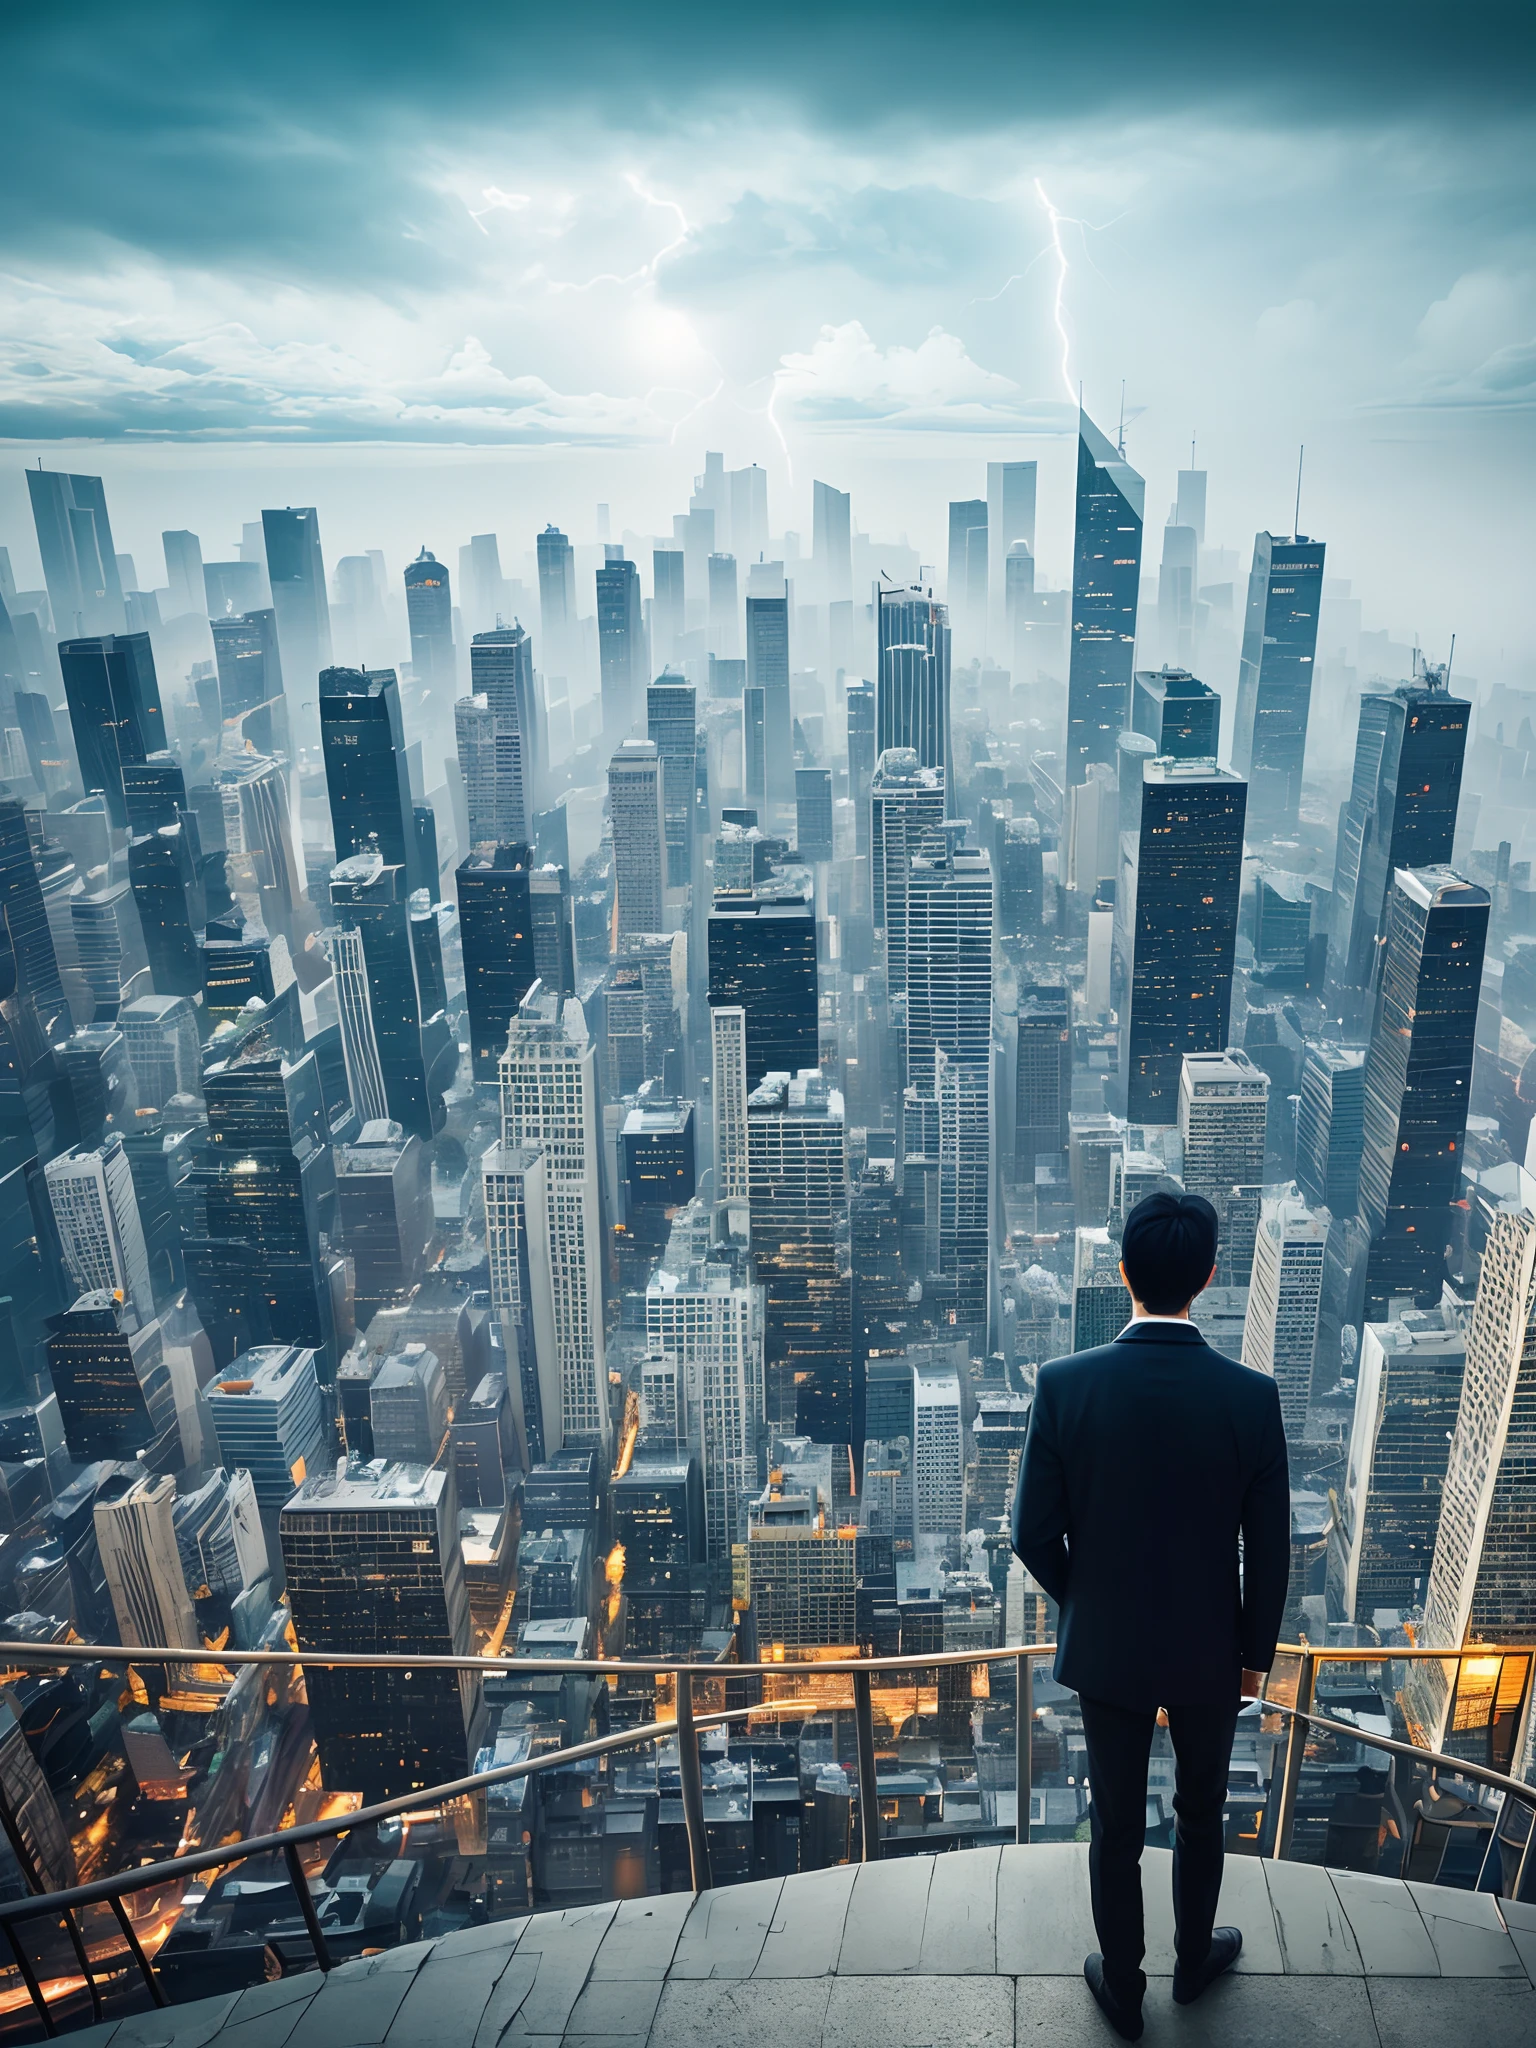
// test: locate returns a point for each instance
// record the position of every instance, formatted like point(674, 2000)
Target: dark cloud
point(286, 135)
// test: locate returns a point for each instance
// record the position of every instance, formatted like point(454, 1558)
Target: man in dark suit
point(1145, 1462)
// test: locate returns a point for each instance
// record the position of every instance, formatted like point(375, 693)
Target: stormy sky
point(438, 271)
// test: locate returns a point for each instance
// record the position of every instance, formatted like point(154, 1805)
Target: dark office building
point(1274, 682)
point(1400, 813)
point(237, 967)
point(402, 957)
point(168, 895)
point(880, 1304)
point(620, 646)
point(1178, 713)
point(1043, 1077)
point(554, 944)
point(754, 742)
point(768, 671)
point(496, 928)
point(1418, 1075)
point(1330, 1127)
point(429, 613)
point(1020, 879)
point(266, 1193)
point(384, 1192)
point(25, 917)
point(365, 770)
point(1106, 583)
point(250, 667)
point(296, 576)
point(1176, 930)
point(114, 710)
point(113, 1385)
point(670, 723)
point(374, 1566)
point(813, 813)
point(762, 958)
point(657, 1168)
point(658, 1516)
point(483, 1444)
point(912, 677)
point(564, 1492)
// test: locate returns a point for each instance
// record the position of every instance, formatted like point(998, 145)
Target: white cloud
point(845, 376)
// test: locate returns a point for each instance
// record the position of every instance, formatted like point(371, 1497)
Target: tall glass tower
point(1274, 683)
point(912, 678)
point(429, 610)
point(1106, 583)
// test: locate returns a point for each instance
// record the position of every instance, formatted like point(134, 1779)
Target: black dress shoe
point(1226, 1947)
point(1125, 2019)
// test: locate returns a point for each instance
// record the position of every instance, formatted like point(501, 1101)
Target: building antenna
point(1120, 438)
point(1191, 451)
point(1450, 662)
point(1301, 457)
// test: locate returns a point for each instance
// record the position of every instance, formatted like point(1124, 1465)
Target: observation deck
point(975, 1949)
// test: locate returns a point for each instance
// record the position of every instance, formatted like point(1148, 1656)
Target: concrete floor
point(966, 1950)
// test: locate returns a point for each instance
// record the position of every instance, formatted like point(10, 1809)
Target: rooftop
point(983, 1947)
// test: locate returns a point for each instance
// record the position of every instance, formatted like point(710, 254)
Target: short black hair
point(1168, 1249)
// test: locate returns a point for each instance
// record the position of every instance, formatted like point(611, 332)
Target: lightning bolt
point(708, 399)
point(647, 272)
point(1055, 220)
point(494, 197)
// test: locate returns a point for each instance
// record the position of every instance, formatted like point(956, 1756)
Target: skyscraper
point(24, 920)
point(963, 1098)
point(639, 837)
point(114, 710)
point(906, 803)
point(74, 538)
point(1176, 907)
point(384, 1195)
point(1408, 1390)
point(497, 937)
point(1100, 1305)
point(620, 645)
point(1274, 684)
point(515, 1181)
point(402, 959)
point(668, 606)
point(912, 677)
point(670, 722)
point(366, 775)
point(100, 1233)
point(948, 970)
point(1178, 713)
point(1330, 1127)
point(762, 960)
point(296, 575)
point(184, 575)
point(1223, 1109)
point(1400, 813)
point(1418, 1075)
point(136, 1536)
point(728, 1092)
point(861, 758)
point(160, 1038)
point(557, 597)
point(1106, 583)
point(114, 1388)
point(250, 665)
point(168, 894)
point(1043, 1078)
point(768, 671)
point(549, 1100)
point(724, 608)
point(831, 542)
point(798, 1195)
point(967, 585)
point(1010, 520)
point(703, 1310)
point(429, 612)
point(813, 814)
point(497, 729)
point(268, 1418)
point(1481, 1586)
point(554, 940)
point(1280, 1332)
point(374, 1564)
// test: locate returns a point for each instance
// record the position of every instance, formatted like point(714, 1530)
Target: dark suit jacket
point(1144, 1462)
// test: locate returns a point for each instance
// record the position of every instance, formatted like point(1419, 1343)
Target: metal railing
point(61, 1906)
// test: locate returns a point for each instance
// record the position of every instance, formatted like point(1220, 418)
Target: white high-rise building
point(938, 1479)
point(728, 1044)
point(136, 1535)
point(549, 1099)
point(1280, 1332)
point(516, 1186)
point(100, 1233)
point(905, 802)
point(948, 972)
point(962, 1090)
point(359, 1043)
point(1223, 1104)
point(636, 809)
point(160, 1037)
point(1482, 1584)
point(704, 1313)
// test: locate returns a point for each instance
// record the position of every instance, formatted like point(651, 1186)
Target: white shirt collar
point(1187, 1321)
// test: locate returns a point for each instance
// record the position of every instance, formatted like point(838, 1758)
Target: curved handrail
point(1482, 1774)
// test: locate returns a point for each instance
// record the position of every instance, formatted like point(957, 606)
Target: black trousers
point(1119, 1740)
